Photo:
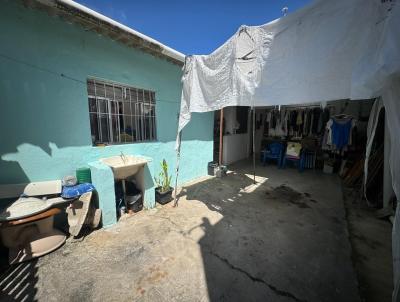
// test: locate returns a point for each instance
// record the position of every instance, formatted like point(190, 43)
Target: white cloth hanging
point(320, 53)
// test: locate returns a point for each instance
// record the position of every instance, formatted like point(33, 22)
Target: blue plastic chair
point(273, 151)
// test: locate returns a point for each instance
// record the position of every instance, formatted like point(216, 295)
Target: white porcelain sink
point(124, 166)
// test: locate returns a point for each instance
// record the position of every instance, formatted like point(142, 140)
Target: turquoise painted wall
point(44, 125)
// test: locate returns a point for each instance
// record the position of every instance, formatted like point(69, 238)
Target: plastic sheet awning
point(329, 50)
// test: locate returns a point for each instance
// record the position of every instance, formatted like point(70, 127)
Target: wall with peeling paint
point(44, 125)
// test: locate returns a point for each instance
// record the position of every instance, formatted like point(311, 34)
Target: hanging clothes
point(298, 122)
point(338, 133)
point(341, 133)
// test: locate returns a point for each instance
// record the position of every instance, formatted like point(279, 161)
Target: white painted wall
point(230, 119)
point(236, 147)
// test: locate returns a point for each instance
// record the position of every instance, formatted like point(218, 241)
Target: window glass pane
point(121, 125)
point(100, 90)
point(94, 126)
point(103, 106)
point(92, 105)
point(109, 91)
point(114, 107)
point(126, 128)
point(118, 93)
point(139, 110)
point(140, 95)
point(127, 96)
point(147, 128)
point(104, 128)
point(147, 97)
point(90, 88)
point(140, 129)
point(153, 127)
point(134, 95)
point(146, 110)
point(115, 129)
point(153, 111)
point(125, 108)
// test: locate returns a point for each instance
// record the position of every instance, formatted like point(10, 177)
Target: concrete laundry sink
point(124, 166)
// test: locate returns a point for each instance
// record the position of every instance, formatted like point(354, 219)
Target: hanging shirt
point(299, 120)
point(341, 131)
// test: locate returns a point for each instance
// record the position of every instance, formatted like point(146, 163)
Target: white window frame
point(141, 113)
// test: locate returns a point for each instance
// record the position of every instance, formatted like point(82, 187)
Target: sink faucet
point(123, 157)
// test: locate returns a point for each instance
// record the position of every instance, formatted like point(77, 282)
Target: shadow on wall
point(44, 152)
point(33, 163)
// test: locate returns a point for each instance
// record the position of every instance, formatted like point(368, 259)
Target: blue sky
point(192, 27)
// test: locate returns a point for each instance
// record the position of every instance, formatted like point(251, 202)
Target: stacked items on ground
point(26, 224)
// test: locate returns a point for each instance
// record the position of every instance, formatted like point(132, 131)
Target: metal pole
point(221, 136)
point(254, 144)
point(178, 156)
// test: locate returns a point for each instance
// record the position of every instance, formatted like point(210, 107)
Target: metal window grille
point(120, 114)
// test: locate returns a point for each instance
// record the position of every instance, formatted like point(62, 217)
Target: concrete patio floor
point(284, 239)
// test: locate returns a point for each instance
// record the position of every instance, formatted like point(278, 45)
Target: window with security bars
point(120, 114)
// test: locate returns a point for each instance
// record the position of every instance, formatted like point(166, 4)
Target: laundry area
point(308, 125)
point(264, 171)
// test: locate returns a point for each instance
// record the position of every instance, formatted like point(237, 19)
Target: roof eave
point(93, 21)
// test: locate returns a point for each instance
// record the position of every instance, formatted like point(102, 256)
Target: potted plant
point(163, 181)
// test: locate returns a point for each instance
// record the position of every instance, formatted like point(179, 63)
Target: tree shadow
point(18, 282)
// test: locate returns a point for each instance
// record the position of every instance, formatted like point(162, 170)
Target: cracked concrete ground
point(284, 239)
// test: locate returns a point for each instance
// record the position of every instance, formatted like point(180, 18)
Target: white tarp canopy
point(327, 51)
point(330, 50)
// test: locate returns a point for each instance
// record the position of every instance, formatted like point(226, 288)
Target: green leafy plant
point(163, 181)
